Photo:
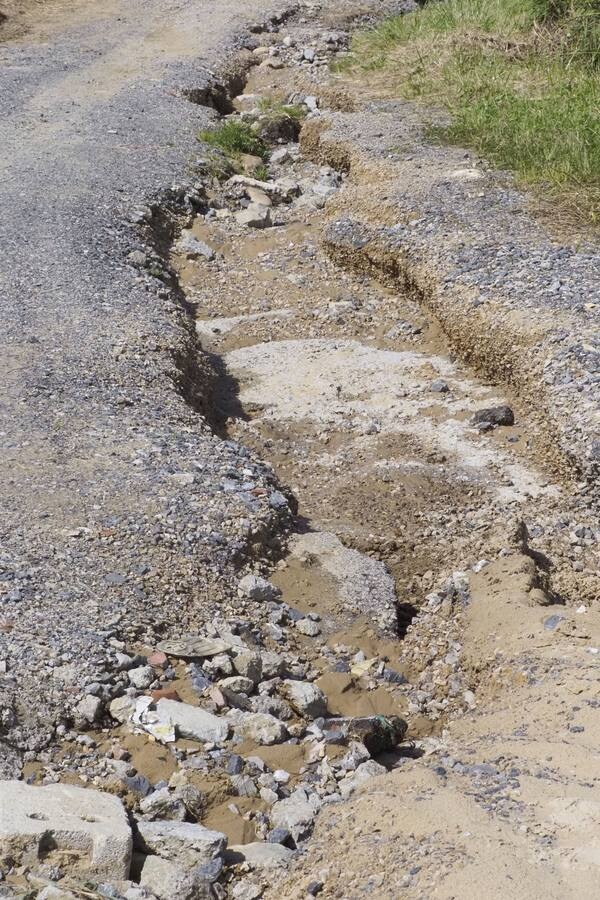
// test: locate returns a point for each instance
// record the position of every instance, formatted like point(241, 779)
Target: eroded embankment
point(419, 589)
point(419, 223)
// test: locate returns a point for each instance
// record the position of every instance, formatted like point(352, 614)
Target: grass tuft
point(520, 79)
point(234, 137)
point(272, 107)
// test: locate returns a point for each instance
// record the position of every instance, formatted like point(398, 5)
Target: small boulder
point(259, 855)
point(192, 722)
point(308, 627)
point(257, 588)
point(254, 216)
point(296, 813)
point(494, 416)
point(249, 665)
point(190, 844)
point(306, 698)
point(259, 727)
point(166, 880)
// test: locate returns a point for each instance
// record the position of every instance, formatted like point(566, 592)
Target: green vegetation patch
point(520, 79)
point(235, 137)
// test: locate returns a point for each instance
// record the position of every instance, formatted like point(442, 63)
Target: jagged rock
point(357, 754)
point(192, 722)
point(190, 844)
point(141, 677)
point(364, 772)
point(254, 216)
point(192, 248)
point(239, 684)
point(296, 813)
point(273, 706)
point(273, 665)
point(174, 804)
point(259, 855)
point(308, 627)
point(90, 825)
point(377, 733)
point(257, 588)
point(168, 881)
point(244, 786)
point(494, 415)
point(89, 709)
point(307, 699)
point(259, 727)
point(249, 665)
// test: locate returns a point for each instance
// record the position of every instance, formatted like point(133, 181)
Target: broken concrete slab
point(91, 827)
point(259, 855)
point(191, 721)
point(190, 844)
point(166, 880)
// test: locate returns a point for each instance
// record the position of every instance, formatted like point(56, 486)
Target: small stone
point(142, 677)
point(439, 386)
point(122, 708)
point(192, 248)
point(308, 627)
point(309, 54)
point(364, 772)
point(295, 813)
point(280, 835)
point(158, 660)
point(246, 890)
point(162, 804)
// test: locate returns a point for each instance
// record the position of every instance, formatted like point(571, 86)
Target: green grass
point(271, 106)
point(520, 79)
point(235, 137)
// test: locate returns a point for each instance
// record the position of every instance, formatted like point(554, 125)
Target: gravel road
point(115, 492)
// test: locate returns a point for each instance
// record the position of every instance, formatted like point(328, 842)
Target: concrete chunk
point(191, 845)
point(191, 721)
point(167, 881)
point(90, 826)
point(260, 855)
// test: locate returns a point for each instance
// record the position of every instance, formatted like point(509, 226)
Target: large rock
point(168, 881)
point(192, 722)
point(259, 855)
point(306, 698)
point(92, 826)
point(261, 728)
point(191, 845)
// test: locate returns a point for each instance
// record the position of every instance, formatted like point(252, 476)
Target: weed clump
point(235, 137)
